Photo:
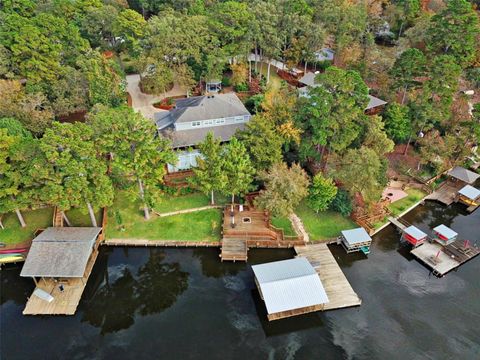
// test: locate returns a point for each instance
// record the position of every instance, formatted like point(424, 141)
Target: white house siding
point(179, 126)
point(186, 160)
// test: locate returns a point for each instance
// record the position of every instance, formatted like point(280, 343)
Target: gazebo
point(213, 86)
point(464, 175)
point(289, 287)
point(414, 236)
point(356, 240)
point(444, 235)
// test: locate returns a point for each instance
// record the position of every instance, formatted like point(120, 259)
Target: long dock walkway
point(339, 291)
point(399, 223)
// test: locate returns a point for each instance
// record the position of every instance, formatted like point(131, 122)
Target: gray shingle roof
point(463, 174)
point(186, 138)
point(60, 252)
point(374, 102)
point(289, 284)
point(356, 236)
point(470, 192)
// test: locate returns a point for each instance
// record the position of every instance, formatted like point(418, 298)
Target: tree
point(32, 110)
point(322, 192)
point(342, 203)
point(409, 66)
point(209, 175)
point(454, 31)
point(398, 125)
point(360, 171)
point(131, 27)
point(71, 171)
point(137, 152)
point(333, 113)
point(376, 138)
point(284, 189)
point(262, 141)
point(237, 168)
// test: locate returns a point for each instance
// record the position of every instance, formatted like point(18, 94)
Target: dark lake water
point(186, 304)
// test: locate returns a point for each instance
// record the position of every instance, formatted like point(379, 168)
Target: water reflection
point(126, 293)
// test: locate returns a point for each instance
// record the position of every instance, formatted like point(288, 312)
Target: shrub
point(241, 87)
point(342, 203)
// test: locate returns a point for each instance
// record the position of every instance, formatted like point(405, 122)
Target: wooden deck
point(234, 250)
point(339, 291)
point(443, 259)
point(64, 303)
point(399, 223)
point(447, 192)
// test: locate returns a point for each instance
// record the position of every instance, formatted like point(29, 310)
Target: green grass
point(285, 224)
point(80, 217)
point(35, 219)
point(125, 220)
point(171, 203)
point(275, 80)
point(414, 196)
point(324, 225)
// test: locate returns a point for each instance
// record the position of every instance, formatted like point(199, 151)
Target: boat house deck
point(62, 258)
point(447, 192)
point(339, 291)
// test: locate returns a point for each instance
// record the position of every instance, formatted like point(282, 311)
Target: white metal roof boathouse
point(289, 287)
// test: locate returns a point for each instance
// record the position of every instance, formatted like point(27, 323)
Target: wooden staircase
point(57, 218)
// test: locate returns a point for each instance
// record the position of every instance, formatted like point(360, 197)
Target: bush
point(254, 103)
point(241, 87)
point(226, 81)
point(342, 203)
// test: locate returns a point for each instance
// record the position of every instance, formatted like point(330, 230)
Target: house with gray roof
point(189, 122)
point(309, 81)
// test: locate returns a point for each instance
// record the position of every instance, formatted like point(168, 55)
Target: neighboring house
point(189, 122)
point(374, 105)
point(325, 54)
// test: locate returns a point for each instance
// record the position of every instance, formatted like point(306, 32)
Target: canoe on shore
point(11, 258)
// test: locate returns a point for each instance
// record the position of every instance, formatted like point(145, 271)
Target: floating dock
point(443, 259)
point(339, 291)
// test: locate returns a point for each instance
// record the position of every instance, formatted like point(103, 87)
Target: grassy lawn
point(80, 217)
point(35, 219)
point(275, 80)
point(414, 196)
point(171, 203)
point(125, 220)
point(285, 224)
point(324, 225)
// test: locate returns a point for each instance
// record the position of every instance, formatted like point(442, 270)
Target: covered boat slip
point(414, 236)
point(469, 196)
point(63, 258)
point(356, 240)
point(444, 235)
point(289, 287)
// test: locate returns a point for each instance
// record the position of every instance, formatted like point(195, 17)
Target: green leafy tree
point(342, 203)
point(262, 141)
point(137, 152)
point(398, 125)
point(409, 66)
point(131, 27)
point(71, 172)
point(321, 193)
point(454, 31)
point(284, 189)
point(209, 176)
point(237, 167)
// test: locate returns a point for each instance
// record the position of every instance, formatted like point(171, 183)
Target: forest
point(69, 139)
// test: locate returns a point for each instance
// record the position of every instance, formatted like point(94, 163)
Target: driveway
point(142, 102)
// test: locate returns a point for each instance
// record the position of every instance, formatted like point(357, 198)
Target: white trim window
point(230, 119)
point(238, 119)
point(246, 118)
point(219, 121)
point(208, 122)
point(196, 123)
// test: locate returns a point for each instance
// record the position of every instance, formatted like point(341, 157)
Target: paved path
point(142, 102)
point(298, 227)
point(186, 211)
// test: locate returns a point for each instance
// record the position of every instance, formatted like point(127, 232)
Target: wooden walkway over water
point(234, 250)
point(339, 291)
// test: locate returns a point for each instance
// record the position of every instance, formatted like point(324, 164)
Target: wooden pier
point(443, 259)
point(399, 223)
point(234, 250)
point(446, 193)
point(339, 291)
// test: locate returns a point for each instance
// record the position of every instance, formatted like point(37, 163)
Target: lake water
point(186, 304)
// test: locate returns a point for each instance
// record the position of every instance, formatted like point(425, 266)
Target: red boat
point(14, 251)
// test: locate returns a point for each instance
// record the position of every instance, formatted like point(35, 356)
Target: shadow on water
point(121, 294)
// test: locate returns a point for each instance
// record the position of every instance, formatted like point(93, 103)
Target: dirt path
point(186, 211)
point(298, 227)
